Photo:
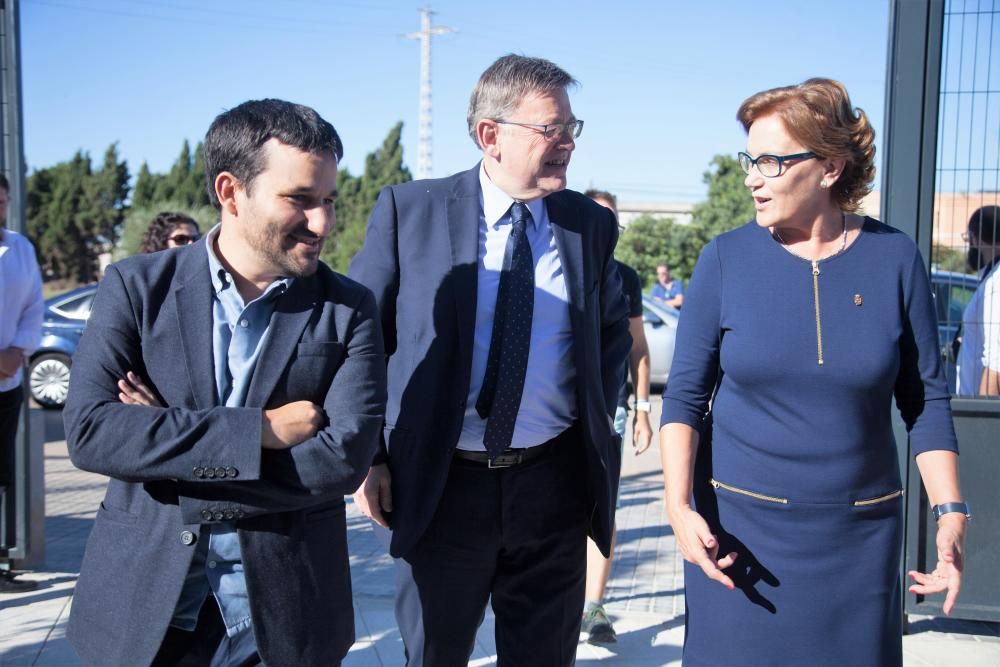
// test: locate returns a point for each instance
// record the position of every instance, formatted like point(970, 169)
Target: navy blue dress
point(797, 468)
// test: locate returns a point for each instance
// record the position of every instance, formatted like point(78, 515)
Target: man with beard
point(222, 539)
point(21, 309)
point(506, 333)
point(979, 354)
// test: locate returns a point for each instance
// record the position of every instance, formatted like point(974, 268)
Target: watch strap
point(947, 508)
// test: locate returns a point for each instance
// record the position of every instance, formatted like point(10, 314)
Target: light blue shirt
point(548, 402)
point(238, 333)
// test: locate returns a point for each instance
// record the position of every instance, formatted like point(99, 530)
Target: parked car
point(49, 367)
point(952, 293)
point(659, 322)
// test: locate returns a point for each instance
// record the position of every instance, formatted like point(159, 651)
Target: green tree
point(75, 214)
point(729, 204)
point(144, 191)
point(357, 195)
point(649, 241)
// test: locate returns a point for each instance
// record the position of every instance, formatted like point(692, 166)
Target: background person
point(169, 230)
point(224, 518)
point(596, 623)
point(21, 310)
point(667, 290)
point(794, 473)
point(497, 284)
point(978, 364)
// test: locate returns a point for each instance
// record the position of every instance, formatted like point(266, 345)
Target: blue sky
point(661, 80)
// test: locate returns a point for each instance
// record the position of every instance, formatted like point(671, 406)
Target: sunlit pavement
point(644, 598)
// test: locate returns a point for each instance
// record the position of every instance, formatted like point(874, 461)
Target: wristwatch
point(642, 406)
point(947, 508)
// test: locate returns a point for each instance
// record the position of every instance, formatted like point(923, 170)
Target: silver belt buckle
point(506, 459)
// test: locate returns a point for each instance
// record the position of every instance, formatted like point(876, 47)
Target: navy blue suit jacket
point(420, 259)
point(193, 462)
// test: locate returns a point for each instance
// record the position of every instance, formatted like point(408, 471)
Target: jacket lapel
point(193, 304)
point(290, 317)
point(463, 232)
point(565, 229)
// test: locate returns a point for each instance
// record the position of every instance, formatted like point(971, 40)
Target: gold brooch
point(857, 300)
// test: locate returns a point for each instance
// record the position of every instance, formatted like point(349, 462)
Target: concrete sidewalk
point(645, 596)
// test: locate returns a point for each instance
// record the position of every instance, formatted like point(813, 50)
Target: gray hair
point(506, 82)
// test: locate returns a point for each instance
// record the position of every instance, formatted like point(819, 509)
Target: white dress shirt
point(21, 303)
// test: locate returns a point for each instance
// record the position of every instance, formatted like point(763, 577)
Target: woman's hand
point(132, 391)
point(947, 576)
point(698, 545)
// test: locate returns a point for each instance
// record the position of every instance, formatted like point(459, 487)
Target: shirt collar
point(221, 279)
point(496, 202)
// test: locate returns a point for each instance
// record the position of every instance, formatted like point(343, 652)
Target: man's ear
point(226, 187)
point(488, 136)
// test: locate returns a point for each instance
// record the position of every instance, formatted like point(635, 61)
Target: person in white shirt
point(979, 354)
point(21, 308)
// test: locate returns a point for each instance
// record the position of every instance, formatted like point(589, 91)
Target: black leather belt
point(508, 458)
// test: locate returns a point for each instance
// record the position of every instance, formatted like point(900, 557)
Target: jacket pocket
point(116, 515)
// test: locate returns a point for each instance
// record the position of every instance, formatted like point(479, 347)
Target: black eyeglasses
point(770, 166)
point(552, 131)
point(183, 239)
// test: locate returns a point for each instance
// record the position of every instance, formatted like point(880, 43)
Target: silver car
point(659, 322)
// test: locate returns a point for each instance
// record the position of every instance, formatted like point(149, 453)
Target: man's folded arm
point(137, 443)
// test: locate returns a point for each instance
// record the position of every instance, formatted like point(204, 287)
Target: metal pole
point(425, 133)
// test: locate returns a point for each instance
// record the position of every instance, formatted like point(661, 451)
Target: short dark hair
point(160, 228)
point(4, 184)
point(601, 194)
point(984, 222)
point(236, 139)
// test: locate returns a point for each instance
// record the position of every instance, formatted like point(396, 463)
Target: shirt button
point(206, 515)
point(199, 471)
point(187, 538)
point(244, 323)
point(217, 515)
point(210, 473)
point(240, 514)
point(230, 515)
point(232, 472)
point(220, 472)
point(212, 564)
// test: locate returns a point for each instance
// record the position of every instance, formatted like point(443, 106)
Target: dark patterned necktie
point(500, 396)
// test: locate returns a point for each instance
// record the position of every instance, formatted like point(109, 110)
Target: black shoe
point(598, 627)
point(9, 584)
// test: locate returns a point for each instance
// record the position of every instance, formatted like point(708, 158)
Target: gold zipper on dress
point(819, 326)
point(880, 499)
point(759, 496)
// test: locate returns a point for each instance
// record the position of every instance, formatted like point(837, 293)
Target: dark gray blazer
point(420, 259)
point(173, 469)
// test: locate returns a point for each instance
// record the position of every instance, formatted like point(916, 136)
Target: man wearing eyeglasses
point(506, 334)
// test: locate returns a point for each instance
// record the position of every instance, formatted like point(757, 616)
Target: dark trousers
point(206, 645)
point(10, 417)
point(517, 535)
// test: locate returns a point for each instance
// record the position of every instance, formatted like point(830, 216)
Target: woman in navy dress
point(800, 329)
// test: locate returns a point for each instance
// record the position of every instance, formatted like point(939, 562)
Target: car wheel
point(48, 379)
